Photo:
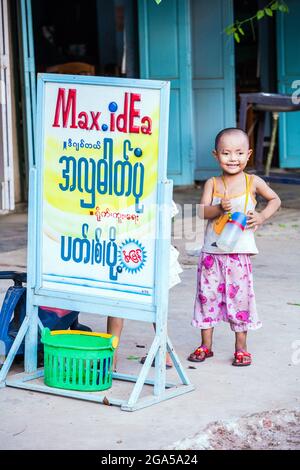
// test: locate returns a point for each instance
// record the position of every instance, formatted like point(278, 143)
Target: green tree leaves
point(260, 14)
point(236, 29)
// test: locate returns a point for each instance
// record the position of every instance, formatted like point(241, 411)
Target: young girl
point(224, 282)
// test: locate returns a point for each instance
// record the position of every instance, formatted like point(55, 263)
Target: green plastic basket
point(78, 360)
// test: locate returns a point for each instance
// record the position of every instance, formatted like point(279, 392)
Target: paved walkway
point(32, 420)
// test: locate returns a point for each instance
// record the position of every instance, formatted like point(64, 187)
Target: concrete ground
point(30, 420)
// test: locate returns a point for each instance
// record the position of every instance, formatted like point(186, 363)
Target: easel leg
point(184, 378)
point(160, 368)
point(13, 350)
point(144, 372)
point(31, 340)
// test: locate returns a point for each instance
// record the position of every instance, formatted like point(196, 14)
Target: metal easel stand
point(161, 389)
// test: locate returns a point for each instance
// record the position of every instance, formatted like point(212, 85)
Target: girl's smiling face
point(233, 152)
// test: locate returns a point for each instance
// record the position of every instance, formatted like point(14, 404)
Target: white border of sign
point(156, 313)
point(53, 298)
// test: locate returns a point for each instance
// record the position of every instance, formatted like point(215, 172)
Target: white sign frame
point(38, 296)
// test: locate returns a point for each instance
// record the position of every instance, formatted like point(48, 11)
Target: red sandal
point(196, 355)
point(242, 358)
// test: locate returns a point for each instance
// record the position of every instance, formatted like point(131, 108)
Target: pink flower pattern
point(243, 315)
point(208, 261)
point(233, 290)
point(225, 292)
point(208, 319)
point(221, 287)
point(202, 299)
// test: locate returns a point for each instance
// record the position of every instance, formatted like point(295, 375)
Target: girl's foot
point(242, 358)
point(200, 354)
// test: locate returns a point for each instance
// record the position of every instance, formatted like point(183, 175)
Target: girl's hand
point(254, 219)
point(226, 203)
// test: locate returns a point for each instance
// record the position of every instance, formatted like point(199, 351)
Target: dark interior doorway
point(100, 33)
point(256, 64)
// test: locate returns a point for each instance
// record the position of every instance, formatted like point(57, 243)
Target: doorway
point(256, 66)
point(103, 36)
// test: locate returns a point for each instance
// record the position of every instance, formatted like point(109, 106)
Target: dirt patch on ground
point(274, 430)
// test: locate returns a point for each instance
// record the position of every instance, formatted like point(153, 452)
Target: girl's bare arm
point(206, 209)
point(261, 188)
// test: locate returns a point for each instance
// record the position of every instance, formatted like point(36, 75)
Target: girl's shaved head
point(228, 131)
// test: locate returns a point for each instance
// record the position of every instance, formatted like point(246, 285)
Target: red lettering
point(133, 255)
point(133, 113)
point(123, 116)
point(95, 124)
point(146, 129)
point(83, 120)
point(65, 108)
point(112, 122)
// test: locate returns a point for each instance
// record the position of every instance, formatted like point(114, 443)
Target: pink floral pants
point(225, 292)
